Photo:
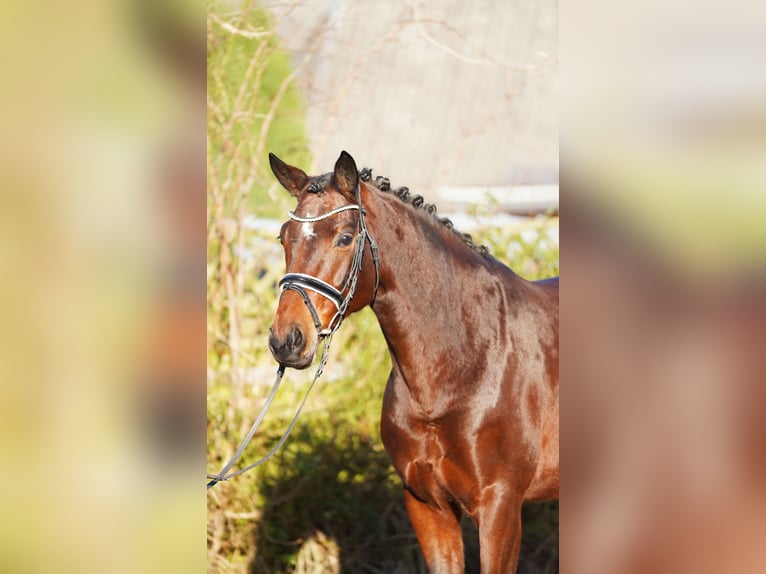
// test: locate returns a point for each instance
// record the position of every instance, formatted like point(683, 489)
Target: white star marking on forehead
point(308, 230)
point(307, 227)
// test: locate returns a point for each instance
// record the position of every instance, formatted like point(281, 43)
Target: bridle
point(300, 282)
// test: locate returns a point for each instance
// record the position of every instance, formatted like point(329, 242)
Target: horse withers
point(471, 408)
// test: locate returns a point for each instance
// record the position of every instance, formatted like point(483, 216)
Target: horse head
point(325, 241)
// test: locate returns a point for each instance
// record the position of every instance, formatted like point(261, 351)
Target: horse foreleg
point(439, 535)
point(499, 521)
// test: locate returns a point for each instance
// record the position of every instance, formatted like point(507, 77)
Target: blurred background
point(663, 308)
point(455, 101)
point(103, 306)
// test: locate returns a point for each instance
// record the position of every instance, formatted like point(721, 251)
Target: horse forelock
point(319, 183)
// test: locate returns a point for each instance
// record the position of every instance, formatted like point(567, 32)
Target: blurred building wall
point(431, 94)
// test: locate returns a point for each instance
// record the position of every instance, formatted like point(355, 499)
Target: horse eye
point(345, 240)
point(279, 238)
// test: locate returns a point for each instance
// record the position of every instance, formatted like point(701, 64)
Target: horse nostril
point(294, 339)
point(289, 347)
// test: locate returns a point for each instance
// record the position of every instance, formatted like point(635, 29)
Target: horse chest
point(429, 466)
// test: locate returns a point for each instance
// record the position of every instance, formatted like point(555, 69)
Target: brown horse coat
point(471, 407)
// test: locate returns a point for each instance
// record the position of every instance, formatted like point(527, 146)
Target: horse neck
point(431, 293)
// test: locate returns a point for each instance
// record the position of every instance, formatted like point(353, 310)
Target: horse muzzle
point(293, 348)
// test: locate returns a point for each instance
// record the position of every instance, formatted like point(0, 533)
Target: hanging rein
point(300, 283)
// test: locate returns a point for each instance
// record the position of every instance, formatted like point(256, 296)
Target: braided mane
point(320, 183)
point(417, 201)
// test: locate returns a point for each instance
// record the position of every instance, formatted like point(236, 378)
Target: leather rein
point(301, 283)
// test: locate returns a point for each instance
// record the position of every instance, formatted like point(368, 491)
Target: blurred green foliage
point(254, 107)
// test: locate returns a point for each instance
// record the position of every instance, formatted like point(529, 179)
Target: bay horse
point(471, 408)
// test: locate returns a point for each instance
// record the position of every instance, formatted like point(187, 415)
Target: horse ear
point(291, 178)
point(346, 175)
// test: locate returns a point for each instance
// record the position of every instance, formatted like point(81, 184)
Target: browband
point(323, 216)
